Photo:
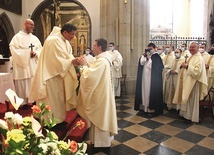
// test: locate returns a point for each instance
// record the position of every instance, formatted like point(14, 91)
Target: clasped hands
point(79, 61)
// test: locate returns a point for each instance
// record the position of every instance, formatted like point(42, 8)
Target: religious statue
point(57, 16)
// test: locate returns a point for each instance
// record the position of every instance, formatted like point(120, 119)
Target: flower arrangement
point(33, 135)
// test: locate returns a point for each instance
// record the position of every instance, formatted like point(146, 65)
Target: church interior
point(127, 24)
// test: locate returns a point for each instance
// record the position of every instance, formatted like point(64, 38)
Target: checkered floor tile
point(167, 134)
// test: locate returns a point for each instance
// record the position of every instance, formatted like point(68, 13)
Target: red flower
point(80, 124)
point(73, 146)
point(47, 107)
point(36, 109)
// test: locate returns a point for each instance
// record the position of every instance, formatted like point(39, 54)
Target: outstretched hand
point(82, 61)
point(75, 62)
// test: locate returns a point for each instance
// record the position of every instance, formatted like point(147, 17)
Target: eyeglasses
point(110, 46)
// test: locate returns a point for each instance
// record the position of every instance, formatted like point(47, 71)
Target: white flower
point(17, 119)
point(52, 145)
point(8, 115)
point(3, 124)
point(44, 147)
point(56, 152)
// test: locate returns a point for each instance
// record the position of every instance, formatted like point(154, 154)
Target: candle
point(75, 45)
point(81, 49)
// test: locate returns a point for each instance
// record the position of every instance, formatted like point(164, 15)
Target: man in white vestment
point(55, 79)
point(172, 77)
point(205, 55)
point(117, 62)
point(25, 49)
point(89, 58)
point(96, 102)
point(185, 51)
point(167, 62)
point(191, 85)
point(161, 52)
point(210, 68)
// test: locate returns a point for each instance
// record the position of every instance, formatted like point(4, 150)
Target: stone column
point(133, 21)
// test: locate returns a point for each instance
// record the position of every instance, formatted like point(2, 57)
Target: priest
point(25, 49)
point(149, 86)
point(96, 102)
point(171, 78)
point(117, 62)
point(191, 85)
point(55, 79)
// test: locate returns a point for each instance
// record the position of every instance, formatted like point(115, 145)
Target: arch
point(7, 26)
point(6, 34)
point(43, 5)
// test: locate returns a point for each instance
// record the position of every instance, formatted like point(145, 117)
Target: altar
point(6, 82)
point(5, 65)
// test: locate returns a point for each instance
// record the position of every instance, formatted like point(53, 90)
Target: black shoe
point(60, 126)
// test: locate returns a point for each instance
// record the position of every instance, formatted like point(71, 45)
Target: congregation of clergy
point(180, 78)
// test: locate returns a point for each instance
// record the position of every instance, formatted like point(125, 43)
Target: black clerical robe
point(156, 87)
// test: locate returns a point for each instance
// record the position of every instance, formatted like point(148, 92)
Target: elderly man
point(191, 85)
point(25, 49)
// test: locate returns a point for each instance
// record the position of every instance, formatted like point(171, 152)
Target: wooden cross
point(31, 46)
point(186, 57)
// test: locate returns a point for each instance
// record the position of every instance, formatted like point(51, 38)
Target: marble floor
point(167, 134)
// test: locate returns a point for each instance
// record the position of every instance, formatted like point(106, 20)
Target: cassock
point(117, 61)
point(23, 65)
point(171, 82)
point(96, 103)
point(191, 87)
point(55, 79)
point(149, 86)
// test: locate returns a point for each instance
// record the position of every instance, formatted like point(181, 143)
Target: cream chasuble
point(193, 87)
point(210, 72)
point(205, 56)
point(55, 79)
point(23, 65)
point(96, 103)
point(171, 82)
point(167, 62)
point(162, 55)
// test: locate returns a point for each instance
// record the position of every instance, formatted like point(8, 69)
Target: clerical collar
point(25, 31)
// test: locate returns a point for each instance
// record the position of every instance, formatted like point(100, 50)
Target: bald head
point(28, 26)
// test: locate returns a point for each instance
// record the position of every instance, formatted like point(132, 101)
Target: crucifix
point(186, 57)
point(31, 47)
